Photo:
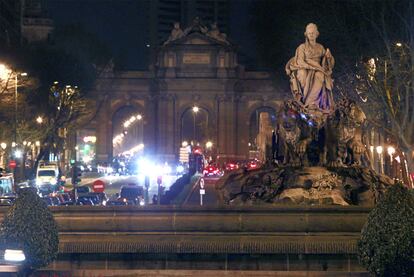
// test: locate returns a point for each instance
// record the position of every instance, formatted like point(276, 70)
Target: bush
point(31, 226)
point(386, 246)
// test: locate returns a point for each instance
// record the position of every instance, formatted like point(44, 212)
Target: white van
point(47, 176)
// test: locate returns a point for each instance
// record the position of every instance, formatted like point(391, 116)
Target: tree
point(66, 106)
point(30, 225)
point(386, 246)
point(383, 78)
point(61, 71)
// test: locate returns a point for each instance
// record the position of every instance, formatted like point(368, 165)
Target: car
point(132, 194)
point(230, 166)
point(252, 164)
point(84, 201)
point(212, 171)
point(65, 199)
point(6, 183)
point(111, 203)
point(5, 202)
point(10, 197)
point(51, 200)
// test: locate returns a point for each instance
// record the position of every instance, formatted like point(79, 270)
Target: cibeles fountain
point(322, 155)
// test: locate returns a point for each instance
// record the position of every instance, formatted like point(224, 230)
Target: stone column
point(166, 118)
point(226, 128)
point(104, 133)
point(243, 119)
point(150, 125)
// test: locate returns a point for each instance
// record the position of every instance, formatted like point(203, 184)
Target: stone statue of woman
point(310, 73)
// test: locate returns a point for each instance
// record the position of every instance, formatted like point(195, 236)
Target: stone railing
point(280, 229)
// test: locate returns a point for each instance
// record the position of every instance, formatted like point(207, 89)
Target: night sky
point(266, 32)
point(119, 24)
point(122, 25)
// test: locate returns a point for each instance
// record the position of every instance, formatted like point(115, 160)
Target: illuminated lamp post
point(379, 150)
point(391, 152)
point(195, 111)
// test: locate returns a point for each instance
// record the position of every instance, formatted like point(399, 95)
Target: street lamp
point(39, 120)
point(195, 111)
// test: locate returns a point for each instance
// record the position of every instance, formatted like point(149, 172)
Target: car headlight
point(53, 181)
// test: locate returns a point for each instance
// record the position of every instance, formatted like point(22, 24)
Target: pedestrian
point(154, 199)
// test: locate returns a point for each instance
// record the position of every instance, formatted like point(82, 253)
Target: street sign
point(201, 183)
point(202, 191)
point(12, 164)
point(98, 186)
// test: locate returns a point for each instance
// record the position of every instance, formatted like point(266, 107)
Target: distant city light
point(3, 145)
point(184, 144)
point(39, 120)
point(148, 45)
point(398, 44)
point(209, 144)
point(196, 109)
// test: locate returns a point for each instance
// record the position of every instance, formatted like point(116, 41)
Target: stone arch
point(126, 136)
point(197, 127)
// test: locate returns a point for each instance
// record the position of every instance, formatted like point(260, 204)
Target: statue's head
point(311, 31)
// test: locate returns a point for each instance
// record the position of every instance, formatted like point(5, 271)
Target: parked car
point(5, 202)
point(51, 200)
point(65, 199)
point(117, 202)
point(9, 197)
point(132, 194)
point(84, 201)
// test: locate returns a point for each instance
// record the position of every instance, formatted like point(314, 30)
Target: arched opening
point(262, 122)
point(195, 126)
point(127, 131)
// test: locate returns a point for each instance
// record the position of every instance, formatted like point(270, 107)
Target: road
point(209, 198)
point(113, 184)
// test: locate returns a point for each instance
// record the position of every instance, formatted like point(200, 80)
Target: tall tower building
point(10, 21)
point(163, 14)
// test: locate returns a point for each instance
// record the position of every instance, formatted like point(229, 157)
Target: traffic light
point(76, 173)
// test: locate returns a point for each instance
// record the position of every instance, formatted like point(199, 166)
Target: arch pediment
point(198, 39)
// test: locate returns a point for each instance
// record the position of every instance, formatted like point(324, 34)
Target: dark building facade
point(195, 92)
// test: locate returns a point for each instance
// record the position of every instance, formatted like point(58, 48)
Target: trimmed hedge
point(386, 246)
point(30, 226)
